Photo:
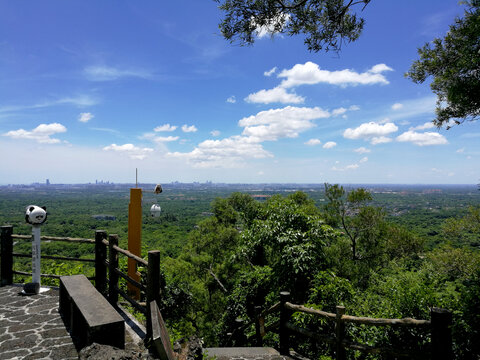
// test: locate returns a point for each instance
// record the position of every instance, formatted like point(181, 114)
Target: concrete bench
point(88, 315)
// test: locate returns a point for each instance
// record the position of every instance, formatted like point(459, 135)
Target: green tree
point(454, 64)
point(326, 24)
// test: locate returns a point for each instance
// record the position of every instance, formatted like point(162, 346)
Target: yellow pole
point(134, 237)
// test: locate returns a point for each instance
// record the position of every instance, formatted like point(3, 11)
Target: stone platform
point(32, 328)
point(244, 353)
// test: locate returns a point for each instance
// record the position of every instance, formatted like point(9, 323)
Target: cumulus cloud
point(380, 140)
point(287, 122)
point(269, 125)
point(460, 151)
point(165, 138)
point(165, 127)
point(425, 126)
point(187, 129)
point(85, 117)
point(363, 160)
point(232, 99)
point(329, 144)
point(229, 152)
point(348, 167)
point(109, 73)
point(397, 106)
point(273, 26)
point(275, 95)
point(422, 139)
point(362, 150)
point(374, 132)
point(313, 142)
point(42, 133)
point(215, 133)
point(310, 73)
point(270, 72)
point(131, 150)
point(339, 111)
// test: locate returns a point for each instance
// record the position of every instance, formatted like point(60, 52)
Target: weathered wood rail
point(439, 326)
point(106, 264)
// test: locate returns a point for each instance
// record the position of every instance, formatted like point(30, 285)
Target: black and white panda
point(35, 215)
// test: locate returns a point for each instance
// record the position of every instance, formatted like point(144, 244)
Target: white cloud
point(79, 101)
point(270, 72)
point(165, 138)
point(275, 95)
point(354, 108)
point(380, 140)
point(397, 106)
point(187, 129)
point(131, 150)
point(362, 150)
point(425, 126)
point(227, 153)
point(313, 142)
point(85, 117)
point(42, 133)
point(372, 131)
point(363, 160)
point(165, 127)
point(273, 124)
point(329, 145)
point(348, 167)
point(422, 139)
point(310, 73)
point(215, 133)
point(460, 151)
point(272, 26)
point(339, 111)
point(232, 99)
point(108, 73)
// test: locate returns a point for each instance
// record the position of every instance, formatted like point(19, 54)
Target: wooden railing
point(439, 326)
point(106, 263)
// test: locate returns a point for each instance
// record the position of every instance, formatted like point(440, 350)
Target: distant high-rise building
point(47, 182)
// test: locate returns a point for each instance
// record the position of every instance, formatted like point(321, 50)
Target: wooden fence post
point(259, 324)
point(153, 285)
point(340, 333)
point(238, 337)
point(112, 275)
point(100, 258)
point(441, 322)
point(6, 270)
point(284, 317)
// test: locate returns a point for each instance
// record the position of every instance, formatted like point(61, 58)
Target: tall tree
point(326, 24)
point(454, 63)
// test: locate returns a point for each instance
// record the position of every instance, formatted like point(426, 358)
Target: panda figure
point(35, 215)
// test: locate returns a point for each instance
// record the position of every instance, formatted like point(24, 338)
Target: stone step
point(244, 353)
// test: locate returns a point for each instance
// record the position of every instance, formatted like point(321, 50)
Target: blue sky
point(94, 89)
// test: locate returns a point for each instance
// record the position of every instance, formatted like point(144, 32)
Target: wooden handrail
point(359, 319)
point(54, 238)
point(130, 255)
point(54, 257)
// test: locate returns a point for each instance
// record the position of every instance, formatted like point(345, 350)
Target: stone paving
point(31, 327)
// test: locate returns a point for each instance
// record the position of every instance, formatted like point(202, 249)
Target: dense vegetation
point(377, 252)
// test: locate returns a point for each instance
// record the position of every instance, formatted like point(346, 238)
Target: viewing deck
point(31, 327)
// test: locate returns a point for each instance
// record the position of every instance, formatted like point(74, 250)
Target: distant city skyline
point(92, 90)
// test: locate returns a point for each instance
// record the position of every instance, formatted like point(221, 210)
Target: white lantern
point(155, 210)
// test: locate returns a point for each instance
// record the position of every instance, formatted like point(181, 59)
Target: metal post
point(112, 266)
point(6, 270)
point(36, 255)
point(284, 317)
point(100, 258)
